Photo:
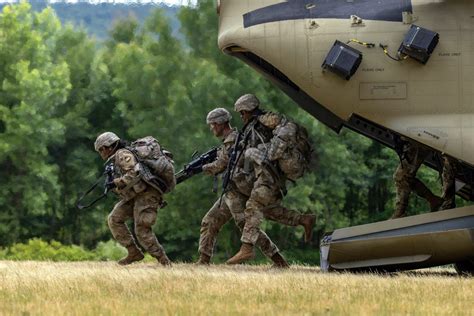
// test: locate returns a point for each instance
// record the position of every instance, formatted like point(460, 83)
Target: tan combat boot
point(307, 221)
point(279, 262)
point(164, 260)
point(203, 259)
point(245, 253)
point(134, 254)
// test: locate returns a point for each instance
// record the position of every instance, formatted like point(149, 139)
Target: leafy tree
point(34, 85)
point(60, 89)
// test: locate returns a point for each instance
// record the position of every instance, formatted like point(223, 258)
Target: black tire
point(465, 268)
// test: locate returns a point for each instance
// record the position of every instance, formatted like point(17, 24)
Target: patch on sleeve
point(125, 160)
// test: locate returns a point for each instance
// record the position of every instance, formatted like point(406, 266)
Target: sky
point(169, 2)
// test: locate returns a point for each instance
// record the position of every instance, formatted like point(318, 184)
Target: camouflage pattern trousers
point(232, 206)
point(449, 183)
point(405, 175)
point(143, 210)
point(265, 196)
point(405, 178)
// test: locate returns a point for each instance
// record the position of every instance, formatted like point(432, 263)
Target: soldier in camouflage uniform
point(138, 201)
point(233, 201)
point(412, 157)
point(268, 187)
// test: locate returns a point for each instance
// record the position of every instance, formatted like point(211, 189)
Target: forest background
point(157, 73)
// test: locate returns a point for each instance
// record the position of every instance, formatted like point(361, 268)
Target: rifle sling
point(79, 200)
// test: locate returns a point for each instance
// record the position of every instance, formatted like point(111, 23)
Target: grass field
point(104, 288)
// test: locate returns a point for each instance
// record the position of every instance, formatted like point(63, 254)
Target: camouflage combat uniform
point(406, 181)
point(140, 202)
point(233, 205)
point(269, 186)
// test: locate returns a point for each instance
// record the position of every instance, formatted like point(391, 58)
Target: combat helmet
point(105, 139)
point(218, 116)
point(247, 102)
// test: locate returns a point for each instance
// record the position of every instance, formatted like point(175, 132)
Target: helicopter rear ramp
point(422, 241)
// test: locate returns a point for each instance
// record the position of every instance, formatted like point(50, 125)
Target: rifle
point(195, 166)
point(235, 156)
point(108, 185)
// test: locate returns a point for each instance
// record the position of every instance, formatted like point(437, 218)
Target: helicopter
point(386, 69)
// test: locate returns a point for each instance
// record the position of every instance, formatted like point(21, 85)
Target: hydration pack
point(156, 165)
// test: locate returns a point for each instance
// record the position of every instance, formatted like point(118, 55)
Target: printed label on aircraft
point(429, 135)
point(383, 90)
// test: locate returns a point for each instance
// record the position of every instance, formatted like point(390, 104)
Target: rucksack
point(298, 155)
point(156, 167)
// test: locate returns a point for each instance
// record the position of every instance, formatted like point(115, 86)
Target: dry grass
point(101, 288)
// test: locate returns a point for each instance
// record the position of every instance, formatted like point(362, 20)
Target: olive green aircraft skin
point(432, 104)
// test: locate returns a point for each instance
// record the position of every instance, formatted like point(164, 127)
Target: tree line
point(60, 88)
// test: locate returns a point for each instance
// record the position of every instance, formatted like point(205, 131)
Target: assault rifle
point(195, 166)
point(234, 157)
point(108, 184)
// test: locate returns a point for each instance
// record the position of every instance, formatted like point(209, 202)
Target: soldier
point(138, 201)
point(233, 201)
point(412, 156)
point(269, 185)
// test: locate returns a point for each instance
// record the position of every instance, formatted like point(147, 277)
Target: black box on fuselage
point(343, 60)
point(419, 43)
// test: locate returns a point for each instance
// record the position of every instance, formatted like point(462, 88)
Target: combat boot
point(398, 214)
point(245, 253)
point(134, 254)
point(447, 205)
point(279, 262)
point(307, 221)
point(203, 259)
point(163, 259)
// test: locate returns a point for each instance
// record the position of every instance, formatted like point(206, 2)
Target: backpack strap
point(147, 176)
